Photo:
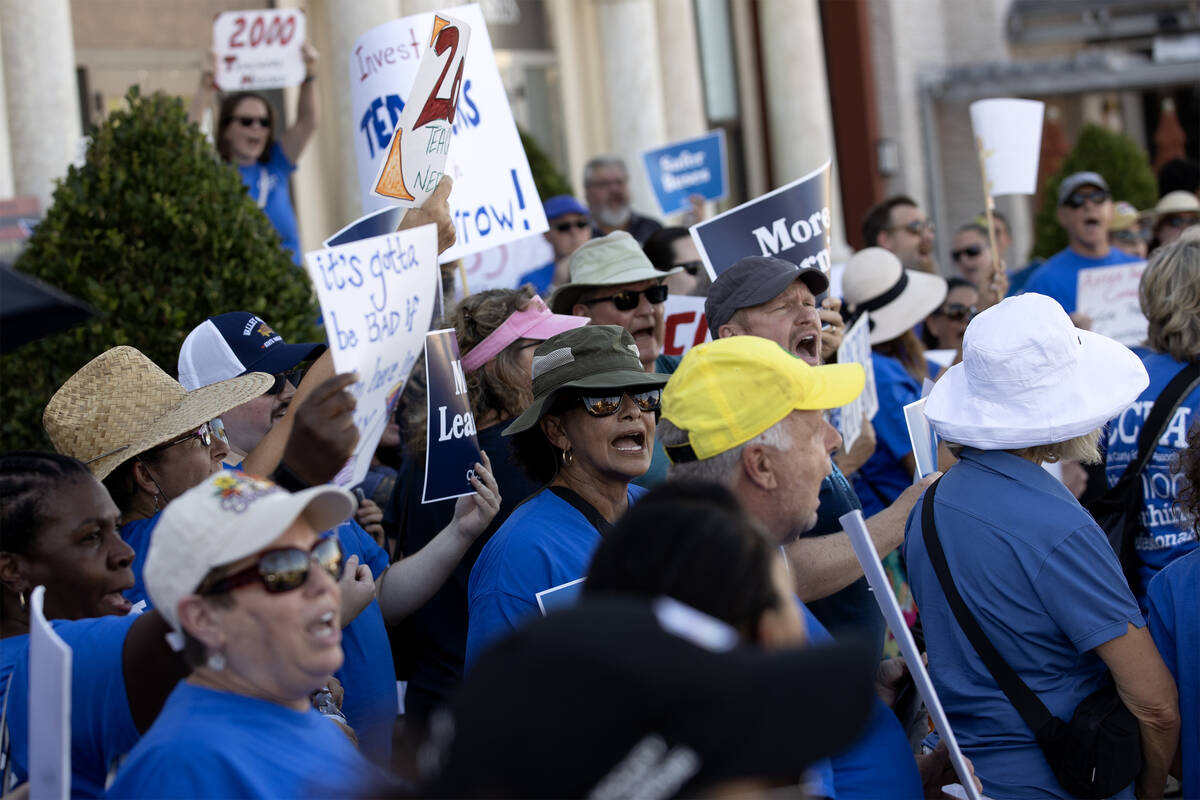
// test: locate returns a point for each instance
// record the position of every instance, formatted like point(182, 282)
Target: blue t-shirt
point(1174, 622)
point(1166, 534)
point(1041, 579)
point(368, 676)
point(539, 278)
point(1059, 276)
point(544, 543)
point(207, 743)
point(881, 480)
point(273, 178)
point(102, 728)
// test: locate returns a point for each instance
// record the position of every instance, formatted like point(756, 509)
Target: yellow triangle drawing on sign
point(391, 179)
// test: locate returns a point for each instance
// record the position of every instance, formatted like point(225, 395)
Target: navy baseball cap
point(561, 205)
point(1078, 180)
point(233, 344)
point(753, 281)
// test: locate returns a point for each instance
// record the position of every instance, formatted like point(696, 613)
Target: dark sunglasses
point(629, 299)
point(1077, 199)
point(692, 267)
point(248, 122)
point(203, 433)
point(958, 312)
point(607, 406)
point(292, 376)
point(916, 227)
point(1130, 236)
point(1180, 220)
point(282, 569)
point(971, 250)
point(565, 227)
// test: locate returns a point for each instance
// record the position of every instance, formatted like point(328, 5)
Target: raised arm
point(295, 138)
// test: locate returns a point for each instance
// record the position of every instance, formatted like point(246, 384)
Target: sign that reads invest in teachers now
point(682, 169)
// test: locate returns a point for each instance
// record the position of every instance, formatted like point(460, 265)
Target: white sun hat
point(895, 298)
point(1029, 377)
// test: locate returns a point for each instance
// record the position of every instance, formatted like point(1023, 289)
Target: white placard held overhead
point(1008, 133)
point(49, 706)
point(258, 50)
point(1109, 297)
point(377, 297)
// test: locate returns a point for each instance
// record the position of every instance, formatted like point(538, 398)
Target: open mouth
point(325, 628)
point(808, 347)
point(1091, 222)
point(647, 332)
point(631, 443)
point(117, 604)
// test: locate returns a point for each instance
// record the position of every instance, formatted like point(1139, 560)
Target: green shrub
point(156, 234)
point(546, 177)
point(1118, 158)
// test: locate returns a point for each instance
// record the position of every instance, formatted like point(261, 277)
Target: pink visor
point(535, 322)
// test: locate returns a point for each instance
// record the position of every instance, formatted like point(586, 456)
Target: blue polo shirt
point(1041, 579)
point(1058, 277)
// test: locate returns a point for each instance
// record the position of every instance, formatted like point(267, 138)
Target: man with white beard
point(606, 189)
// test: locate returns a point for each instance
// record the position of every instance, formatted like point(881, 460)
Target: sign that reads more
point(258, 50)
point(682, 169)
point(451, 447)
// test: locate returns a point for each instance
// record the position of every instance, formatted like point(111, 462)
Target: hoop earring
point(567, 458)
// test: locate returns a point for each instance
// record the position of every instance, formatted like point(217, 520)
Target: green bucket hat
point(607, 261)
point(593, 357)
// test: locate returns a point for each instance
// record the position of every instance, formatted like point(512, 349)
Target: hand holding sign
point(323, 436)
point(474, 512)
point(257, 50)
point(436, 211)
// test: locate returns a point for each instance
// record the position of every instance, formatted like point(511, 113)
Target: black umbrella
point(30, 309)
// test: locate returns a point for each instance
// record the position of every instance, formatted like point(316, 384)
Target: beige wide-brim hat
point(611, 260)
point(121, 404)
point(1177, 202)
point(895, 298)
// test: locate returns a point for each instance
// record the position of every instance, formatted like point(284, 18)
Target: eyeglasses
point(971, 250)
point(292, 376)
point(608, 405)
point(218, 429)
point(203, 433)
point(959, 312)
point(692, 267)
point(1077, 199)
point(1180, 220)
point(565, 227)
point(282, 569)
point(916, 227)
point(629, 299)
point(248, 122)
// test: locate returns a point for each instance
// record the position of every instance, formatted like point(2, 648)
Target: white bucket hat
point(1029, 377)
point(229, 516)
point(895, 298)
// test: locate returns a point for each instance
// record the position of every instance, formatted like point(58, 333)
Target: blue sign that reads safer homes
point(451, 448)
point(682, 169)
point(791, 223)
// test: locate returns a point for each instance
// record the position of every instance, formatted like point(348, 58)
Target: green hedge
point(157, 234)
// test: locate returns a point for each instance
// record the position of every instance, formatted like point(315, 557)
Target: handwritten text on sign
point(259, 49)
point(416, 157)
point(376, 298)
point(1109, 295)
point(494, 199)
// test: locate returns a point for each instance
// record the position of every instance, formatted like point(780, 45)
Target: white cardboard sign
point(504, 266)
point(856, 528)
point(377, 299)
point(258, 50)
point(416, 158)
point(856, 347)
point(922, 438)
point(49, 706)
point(494, 199)
point(1008, 134)
point(684, 324)
point(1109, 296)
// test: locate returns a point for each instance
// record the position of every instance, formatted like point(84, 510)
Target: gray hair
point(722, 467)
point(598, 162)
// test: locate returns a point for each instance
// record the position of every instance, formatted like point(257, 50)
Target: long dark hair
point(27, 479)
point(225, 118)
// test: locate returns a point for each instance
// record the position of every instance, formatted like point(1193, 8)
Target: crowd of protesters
point(239, 625)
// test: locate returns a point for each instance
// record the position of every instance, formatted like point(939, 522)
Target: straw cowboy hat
point(120, 404)
point(895, 298)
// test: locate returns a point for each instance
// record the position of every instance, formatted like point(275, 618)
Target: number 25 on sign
point(416, 157)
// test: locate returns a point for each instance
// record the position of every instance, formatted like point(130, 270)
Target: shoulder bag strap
point(1156, 423)
point(603, 526)
point(1031, 709)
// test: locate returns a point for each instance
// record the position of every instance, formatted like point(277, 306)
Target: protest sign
point(679, 170)
point(258, 50)
point(416, 158)
point(494, 199)
point(377, 297)
point(561, 596)
point(1008, 133)
point(864, 549)
point(510, 265)
point(856, 347)
point(377, 223)
point(49, 706)
point(1109, 296)
point(922, 438)
point(451, 447)
point(791, 222)
point(685, 325)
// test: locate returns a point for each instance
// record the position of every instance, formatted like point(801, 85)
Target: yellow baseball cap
point(726, 392)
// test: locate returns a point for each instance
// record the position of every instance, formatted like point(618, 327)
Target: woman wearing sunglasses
point(239, 571)
point(587, 434)
point(944, 328)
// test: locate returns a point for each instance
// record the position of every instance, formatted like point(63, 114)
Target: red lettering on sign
point(673, 322)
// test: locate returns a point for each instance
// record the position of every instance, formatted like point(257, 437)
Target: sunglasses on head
point(1077, 199)
point(247, 122)
point(565, 227)
point(691, 267)
point(608, 405)
point(629, 299)
point(959, 312)
point(282, 569)
point(203, 433)
point(971, 250)
point(292, 376)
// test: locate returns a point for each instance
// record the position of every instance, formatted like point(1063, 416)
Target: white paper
point(1008, 132)
point(856, 347)
point(377, 299)
point(684, 324)
point(258, 50)
point(49, 706)
point(503, 266)
point(1109, 296)
point(943, 358)
point(922, 438)
point(494, 200)
point(856, 529)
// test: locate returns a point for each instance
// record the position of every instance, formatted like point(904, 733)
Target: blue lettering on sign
point(378, 122)
point(487, 218)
